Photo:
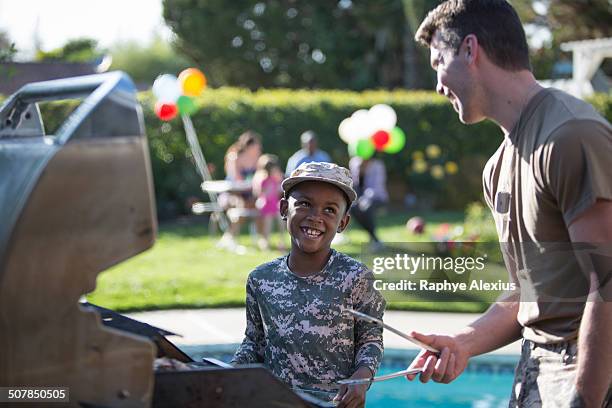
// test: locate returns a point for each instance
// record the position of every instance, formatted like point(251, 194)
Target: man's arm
point(594, 374)
point(496, 328)
point(231, 166)
point(500, 319)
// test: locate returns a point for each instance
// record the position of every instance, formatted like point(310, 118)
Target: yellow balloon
point(192, 81)
point(419, 166)
point(437, 172)
point(417, 155)
point(451, 167)
point(433, 151)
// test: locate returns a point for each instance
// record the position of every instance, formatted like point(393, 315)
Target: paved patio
point(226, 326)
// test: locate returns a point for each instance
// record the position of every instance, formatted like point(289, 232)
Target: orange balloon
point(192, 81)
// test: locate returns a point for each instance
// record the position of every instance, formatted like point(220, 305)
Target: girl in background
point(267, 191)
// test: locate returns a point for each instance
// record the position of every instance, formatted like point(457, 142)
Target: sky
point(57, 21)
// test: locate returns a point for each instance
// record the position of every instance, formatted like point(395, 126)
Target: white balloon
point(361, 124)
point(345, 130)
point(166, 88)
point(382, 117)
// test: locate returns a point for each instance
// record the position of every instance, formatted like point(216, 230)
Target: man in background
point(309, 152)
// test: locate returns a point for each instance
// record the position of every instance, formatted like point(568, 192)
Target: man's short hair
point(494, 22)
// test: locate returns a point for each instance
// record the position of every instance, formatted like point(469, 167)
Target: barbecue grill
point(72, 204)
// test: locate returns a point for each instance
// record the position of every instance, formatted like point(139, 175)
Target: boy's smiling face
point(316, 211)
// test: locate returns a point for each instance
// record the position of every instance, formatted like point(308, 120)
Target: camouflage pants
point(545, 376)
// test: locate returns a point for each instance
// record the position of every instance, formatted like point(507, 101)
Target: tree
point(145, 63)
point(564, 20)
point(292, 43)
point(416, 59)
point(7, 48)
point(76, 50)
point(568, 20)
point(572, 20)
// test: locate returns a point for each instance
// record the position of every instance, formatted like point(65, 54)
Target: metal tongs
point(379, 322)
point(381, 378)
point(396, 374)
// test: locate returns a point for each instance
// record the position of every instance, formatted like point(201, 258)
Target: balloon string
point(201, 165)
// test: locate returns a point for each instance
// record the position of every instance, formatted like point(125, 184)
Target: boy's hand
point(354, 396)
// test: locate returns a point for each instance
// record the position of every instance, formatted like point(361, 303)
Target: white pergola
point(587, 57)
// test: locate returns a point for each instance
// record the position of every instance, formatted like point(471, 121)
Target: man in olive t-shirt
point(554, 164)
point(549, 186)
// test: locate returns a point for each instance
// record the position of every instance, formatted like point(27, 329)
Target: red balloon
point(166, 111)
point(380, 139)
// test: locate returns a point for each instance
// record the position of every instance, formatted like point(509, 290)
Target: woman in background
point(241, 157)
point(240, 165)
point(369, 181)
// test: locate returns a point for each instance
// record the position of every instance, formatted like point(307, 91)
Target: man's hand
point(353, 396)
point(444, 368)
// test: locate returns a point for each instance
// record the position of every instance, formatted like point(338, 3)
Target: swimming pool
point(486, 383)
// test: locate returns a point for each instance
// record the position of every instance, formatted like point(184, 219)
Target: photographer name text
point(444, 286)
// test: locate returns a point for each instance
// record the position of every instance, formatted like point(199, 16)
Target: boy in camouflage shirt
point(296, 323)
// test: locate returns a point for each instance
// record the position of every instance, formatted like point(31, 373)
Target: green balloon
point(186, 105)
point(363, 148)
point(396, 142)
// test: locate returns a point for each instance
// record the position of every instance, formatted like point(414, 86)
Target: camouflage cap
point(325, 172)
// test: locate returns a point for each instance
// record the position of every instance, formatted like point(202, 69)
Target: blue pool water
point(486, 383)
point(476, 390)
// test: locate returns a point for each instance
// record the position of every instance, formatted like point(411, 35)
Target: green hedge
point(603, 103)
point(281, 115)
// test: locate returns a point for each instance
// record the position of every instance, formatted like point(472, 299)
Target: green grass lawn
point(184, 269)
